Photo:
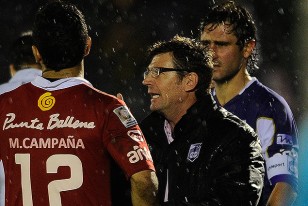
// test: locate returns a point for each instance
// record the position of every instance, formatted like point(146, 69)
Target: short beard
point(228, 77)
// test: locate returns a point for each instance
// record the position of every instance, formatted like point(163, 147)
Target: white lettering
point(46, 143)
point(138, 154)
point(70, 122)
point(53, 123)
point(14, 143)
point(133, 157)
point(25, 145)
point(9, 124)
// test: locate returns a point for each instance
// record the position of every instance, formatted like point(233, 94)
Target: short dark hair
point(20, 53)
point(60, 33)
point(241, 25)
point(187, 54)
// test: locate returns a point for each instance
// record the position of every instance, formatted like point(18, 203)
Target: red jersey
point(57, 140)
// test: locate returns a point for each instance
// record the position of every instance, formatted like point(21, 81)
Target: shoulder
point(266, 96)
point(93, 94)
point(7, 87)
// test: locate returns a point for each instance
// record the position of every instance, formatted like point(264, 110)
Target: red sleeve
point(125, 142)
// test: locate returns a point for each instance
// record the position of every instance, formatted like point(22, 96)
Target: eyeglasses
point(156, 71)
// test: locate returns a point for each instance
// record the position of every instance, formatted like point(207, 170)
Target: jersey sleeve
point(125, 142)
point(278, 133)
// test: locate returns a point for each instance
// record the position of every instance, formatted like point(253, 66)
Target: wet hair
point(188, 55)
point(20, 53)
point(60, 33)
point(240, 23)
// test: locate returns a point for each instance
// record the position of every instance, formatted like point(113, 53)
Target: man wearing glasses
point(202, 153)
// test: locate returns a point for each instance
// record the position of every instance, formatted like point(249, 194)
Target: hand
point(120, 96)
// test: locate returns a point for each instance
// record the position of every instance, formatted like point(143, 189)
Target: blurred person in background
point(60, 135)
point(22, 65)
point(203, 154)
point(23, 69)
point(229, 30)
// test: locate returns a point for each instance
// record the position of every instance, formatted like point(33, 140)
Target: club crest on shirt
point(194, 152)
point(46, 101)
point(125, 116)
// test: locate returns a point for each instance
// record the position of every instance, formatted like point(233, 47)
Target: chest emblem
point(194, 152)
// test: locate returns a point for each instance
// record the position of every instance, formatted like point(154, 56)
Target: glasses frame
point(159, 70)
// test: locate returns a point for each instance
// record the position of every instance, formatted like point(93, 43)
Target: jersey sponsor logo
point(139, 154)
point(68, 122)
point(135, 135)
point(194, 152)
point(276, 166)
point(125, 116)
point(46, 143)
point(53, 123)
point(284, 139)
point(9, 123)
point(46, 101)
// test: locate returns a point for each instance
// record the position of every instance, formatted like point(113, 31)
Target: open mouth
point(154, 96)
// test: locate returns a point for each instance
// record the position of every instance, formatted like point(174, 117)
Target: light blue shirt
point(21, 77)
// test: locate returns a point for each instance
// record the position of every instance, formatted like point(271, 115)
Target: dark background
point(121, 31)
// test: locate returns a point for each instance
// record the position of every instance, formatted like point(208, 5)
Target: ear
point(37, 55)
point(88, 46)
point(12, 70)
point(248, 48)
point(191, 81)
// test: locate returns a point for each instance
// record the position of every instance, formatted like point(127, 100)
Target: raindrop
point(280, 11)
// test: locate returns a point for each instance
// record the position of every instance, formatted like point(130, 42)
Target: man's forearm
point(144, 189)
point(282, 195)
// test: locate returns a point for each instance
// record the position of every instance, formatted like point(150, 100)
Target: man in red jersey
point(60, 135)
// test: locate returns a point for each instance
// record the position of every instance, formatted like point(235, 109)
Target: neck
point(76, 71)
point(32, 66)
point(178, 111)
point(225, 91)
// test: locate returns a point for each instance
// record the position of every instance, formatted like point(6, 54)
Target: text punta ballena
point(53, 123)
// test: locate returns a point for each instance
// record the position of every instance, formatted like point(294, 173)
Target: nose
point(147, 80)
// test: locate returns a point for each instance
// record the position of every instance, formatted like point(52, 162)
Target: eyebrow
point(217, 42)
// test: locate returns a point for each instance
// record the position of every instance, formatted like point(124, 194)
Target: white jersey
point(21, 77)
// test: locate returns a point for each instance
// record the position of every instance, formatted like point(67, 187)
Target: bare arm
point(144, 186)
point(282, 195)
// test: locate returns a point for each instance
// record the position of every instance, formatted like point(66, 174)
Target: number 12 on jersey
point(56, 186)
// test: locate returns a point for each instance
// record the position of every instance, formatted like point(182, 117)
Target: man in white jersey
point(23, 67)
point(60, 135)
